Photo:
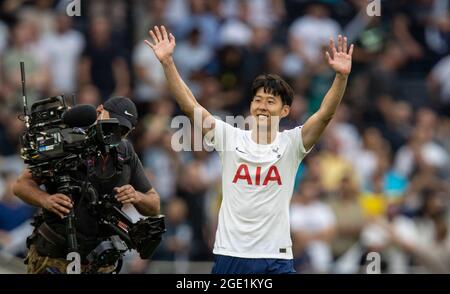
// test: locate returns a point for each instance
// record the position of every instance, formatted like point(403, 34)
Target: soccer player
point(259, 165)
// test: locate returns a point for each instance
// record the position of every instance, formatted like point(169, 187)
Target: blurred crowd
point(379, 179)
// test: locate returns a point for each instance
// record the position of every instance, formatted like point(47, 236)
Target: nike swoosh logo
point(237, 149)
point(127, 113)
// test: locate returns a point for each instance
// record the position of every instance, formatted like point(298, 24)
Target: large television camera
point(59, 140)
point(56, 137)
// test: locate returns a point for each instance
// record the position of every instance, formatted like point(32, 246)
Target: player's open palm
point(340, 58)
point(163, 43)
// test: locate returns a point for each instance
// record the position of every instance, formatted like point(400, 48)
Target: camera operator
point(119, 173)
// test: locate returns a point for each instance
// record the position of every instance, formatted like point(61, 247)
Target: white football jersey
point(257, 184)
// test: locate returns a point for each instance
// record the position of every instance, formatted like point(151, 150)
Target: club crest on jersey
point(243, 174)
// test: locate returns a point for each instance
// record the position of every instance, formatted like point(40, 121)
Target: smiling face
point(272, 97)
point(267, 109)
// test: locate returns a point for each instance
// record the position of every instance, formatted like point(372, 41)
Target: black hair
point(275, 85)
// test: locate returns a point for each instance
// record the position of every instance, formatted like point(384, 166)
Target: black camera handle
point(67, 188)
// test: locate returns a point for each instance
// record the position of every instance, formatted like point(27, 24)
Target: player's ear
point(285, 110)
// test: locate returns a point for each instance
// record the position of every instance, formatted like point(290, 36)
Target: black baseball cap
point(123, 109)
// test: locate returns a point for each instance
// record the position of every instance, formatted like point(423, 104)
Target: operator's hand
point(59, 204)
point(340, 59)
point(163, 43)
point(127, 194)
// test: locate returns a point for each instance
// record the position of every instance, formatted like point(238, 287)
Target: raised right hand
point(163, 43)
point(59, 204)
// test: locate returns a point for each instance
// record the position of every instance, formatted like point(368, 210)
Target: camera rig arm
point(144, 235)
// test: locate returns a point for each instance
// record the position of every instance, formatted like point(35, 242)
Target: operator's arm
point(341, 63)
point(28, 190)
point(163, 47)
point(147, 204)
point(139, 191)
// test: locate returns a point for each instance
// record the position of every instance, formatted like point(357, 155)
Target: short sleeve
point(138, 179)
point(296, 141)
point(221, 137)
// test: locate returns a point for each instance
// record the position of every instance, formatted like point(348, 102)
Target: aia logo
point(243, 174)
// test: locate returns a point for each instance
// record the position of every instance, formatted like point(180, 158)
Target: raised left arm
point(340, 61)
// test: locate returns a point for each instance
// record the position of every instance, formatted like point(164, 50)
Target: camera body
point(50, 145)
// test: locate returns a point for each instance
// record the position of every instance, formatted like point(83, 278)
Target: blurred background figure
point(350, 218)
point(177, 243)
point(313, 226)
point(23, 47)
point(14, 218)
point(102, 63)
point(310, 32)
point(64, 47)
